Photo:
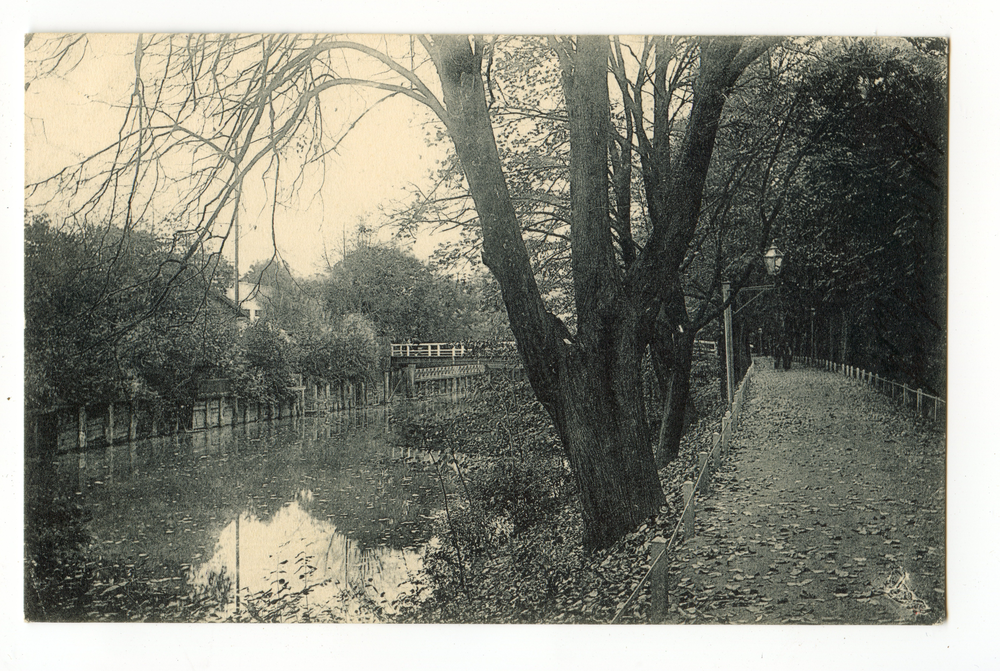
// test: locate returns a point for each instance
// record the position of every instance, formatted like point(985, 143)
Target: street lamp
point(772, 261)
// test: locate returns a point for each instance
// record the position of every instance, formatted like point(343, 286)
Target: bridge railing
point(705, 347)
point(428, 349)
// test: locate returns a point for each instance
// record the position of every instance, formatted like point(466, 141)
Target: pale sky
point(69, 117)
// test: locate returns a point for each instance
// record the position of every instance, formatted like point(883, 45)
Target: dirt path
point(831, 509)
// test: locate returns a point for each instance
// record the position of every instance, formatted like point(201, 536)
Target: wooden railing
point(708, 462)
point(705, 347)
point(428, 349)
point(926, 404)
point(448, 372)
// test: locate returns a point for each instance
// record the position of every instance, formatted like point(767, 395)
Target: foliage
point(521, 493)
point(865, 222)
point(347, 353)
point(56, 576)
point(292, 303)
point(266, 367)
point(528, 114)
point(648, 195)
point(107, 315)
point(402, 297)
point(106, 318)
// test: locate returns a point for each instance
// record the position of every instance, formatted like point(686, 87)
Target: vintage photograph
point(535, 329)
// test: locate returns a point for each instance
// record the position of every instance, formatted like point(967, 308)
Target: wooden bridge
point(492, 355)
point(445, 365)
point(428, 350)
point(439, 354)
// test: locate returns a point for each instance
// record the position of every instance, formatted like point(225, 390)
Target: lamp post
point(772, 261)
point(728, 324)
point(812, 336)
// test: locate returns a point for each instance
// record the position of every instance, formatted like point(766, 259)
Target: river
point(325, 517)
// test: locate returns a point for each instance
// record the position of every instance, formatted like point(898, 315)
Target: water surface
point(328, 503)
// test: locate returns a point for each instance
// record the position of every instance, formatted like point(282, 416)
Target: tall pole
point(813, 335)
point(236, 438)
point(728, 322)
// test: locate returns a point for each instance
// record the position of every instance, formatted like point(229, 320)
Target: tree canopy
point(109, 316)
point(402, 296)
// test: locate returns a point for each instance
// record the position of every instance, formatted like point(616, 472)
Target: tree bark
point(602, 423)
point(674, 192)
point(590, 382)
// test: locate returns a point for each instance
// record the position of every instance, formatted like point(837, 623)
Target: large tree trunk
point(603, 426)
point(590, 381)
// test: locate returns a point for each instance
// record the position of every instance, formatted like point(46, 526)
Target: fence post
point(81, 436)
point(703, 469)
point(687, 490)
point(411, 380)
point(734, 414)
point(81, 428)
point(717, 443)
point(716, 458)
point(920, 401)
point(659, 587)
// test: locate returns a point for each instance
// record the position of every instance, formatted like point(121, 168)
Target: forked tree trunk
point(602, 423)
point(590, 381)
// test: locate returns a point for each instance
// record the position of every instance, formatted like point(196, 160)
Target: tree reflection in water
point(294, 567)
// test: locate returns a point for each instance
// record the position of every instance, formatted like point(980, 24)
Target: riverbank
point(518, 527)
point(830, 509)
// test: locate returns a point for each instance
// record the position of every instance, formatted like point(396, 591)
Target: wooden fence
point(927, 405)
point(708, 462)
point(78, 428)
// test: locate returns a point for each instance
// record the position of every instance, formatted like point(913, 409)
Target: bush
point(523, 492)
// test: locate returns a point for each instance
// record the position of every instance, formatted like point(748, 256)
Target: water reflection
point(159, 508)
point(295, 566)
